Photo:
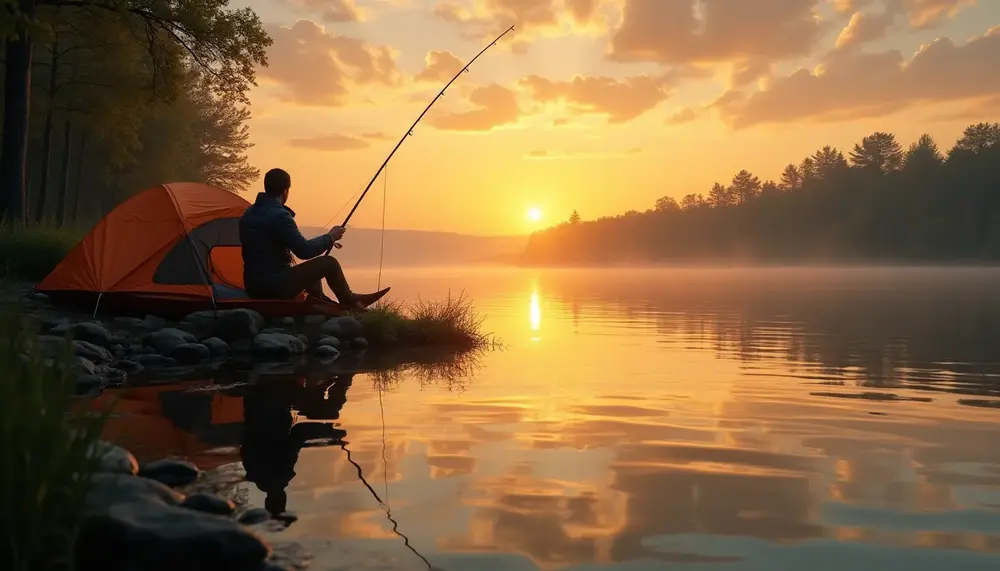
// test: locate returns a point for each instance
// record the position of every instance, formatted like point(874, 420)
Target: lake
point(683, 419)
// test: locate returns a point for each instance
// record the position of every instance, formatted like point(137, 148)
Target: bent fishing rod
point(409, 132)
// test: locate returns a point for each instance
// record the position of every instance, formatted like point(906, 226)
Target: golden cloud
point(331, 142)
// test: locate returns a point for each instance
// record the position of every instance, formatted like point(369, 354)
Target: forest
point(881, 202)
point(105, 98)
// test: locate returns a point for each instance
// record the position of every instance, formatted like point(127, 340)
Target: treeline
point(880, 202)
point(115, 96)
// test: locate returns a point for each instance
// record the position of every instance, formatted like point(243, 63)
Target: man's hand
point(337, 232)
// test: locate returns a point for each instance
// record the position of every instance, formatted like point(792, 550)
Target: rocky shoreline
point(168, 515)
point(121, 350)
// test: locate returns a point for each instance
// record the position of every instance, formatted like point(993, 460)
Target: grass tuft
point(451, 322)
point(31, 252)
point(46, 444)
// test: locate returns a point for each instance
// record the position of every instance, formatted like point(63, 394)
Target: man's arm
point(297, 243)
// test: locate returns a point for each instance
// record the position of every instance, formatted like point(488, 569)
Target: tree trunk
point(78, 178)
point(17, 96)
point(50, 112)
point(64, 170)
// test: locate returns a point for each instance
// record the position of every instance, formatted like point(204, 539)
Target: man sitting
point(270, 237)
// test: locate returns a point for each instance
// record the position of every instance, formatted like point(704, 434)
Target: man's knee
point(330, 264)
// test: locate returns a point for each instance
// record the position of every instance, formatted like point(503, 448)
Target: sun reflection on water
point(535, 314)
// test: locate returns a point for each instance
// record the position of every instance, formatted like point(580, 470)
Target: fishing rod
point(409, 132)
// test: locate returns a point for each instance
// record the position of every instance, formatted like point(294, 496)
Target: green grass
point(31, 252)
point(45, 451)
point(451, 322)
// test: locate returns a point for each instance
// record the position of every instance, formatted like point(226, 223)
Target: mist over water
point(705, 419)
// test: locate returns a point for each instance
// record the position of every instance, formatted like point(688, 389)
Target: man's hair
point(277, 181)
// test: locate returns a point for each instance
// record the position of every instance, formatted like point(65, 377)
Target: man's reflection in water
point(271, 443)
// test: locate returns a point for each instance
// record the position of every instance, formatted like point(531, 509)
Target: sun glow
point(534, 214)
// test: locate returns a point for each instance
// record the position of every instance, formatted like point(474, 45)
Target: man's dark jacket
point(270, 237)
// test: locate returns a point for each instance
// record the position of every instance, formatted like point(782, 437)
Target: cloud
point(618, 100)
point(852, 85)
point(495, 106)
point(685, 115)
point(334, 11)
point(540, 154)
point(480, 19)
point(331, 142)
point(864, 26)
point(440, 66)
point(712, 31)
point(319, 68)
point(376, 136)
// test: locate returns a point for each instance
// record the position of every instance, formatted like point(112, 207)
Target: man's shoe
point(367, 299)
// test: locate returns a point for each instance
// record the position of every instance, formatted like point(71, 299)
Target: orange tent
point(171, 249)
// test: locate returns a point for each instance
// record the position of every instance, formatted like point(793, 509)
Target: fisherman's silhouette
point(272, 440)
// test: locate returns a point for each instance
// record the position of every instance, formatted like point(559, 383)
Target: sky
point(599, 106)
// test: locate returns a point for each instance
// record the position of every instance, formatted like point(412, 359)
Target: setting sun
point(534, 214)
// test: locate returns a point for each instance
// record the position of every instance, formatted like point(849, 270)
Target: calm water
point(658, 419)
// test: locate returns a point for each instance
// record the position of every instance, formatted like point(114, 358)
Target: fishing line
point(388, 510)
point(381, 254)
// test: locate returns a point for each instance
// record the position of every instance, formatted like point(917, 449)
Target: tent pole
point(97, 305)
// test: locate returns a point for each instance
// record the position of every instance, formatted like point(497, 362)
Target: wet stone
point(326, 352)
point(209, 503)
point(328, 341)
point(342, 327)
point(129, 366)
point(91, 351)
point(91, 332)
point(216, 346)
point(170, 472)
point(254, 516)
point(152, 360)
point(190, 353)
point(114, 459)
point(277, 346)
point(359, 342)
point(288, 321)
point(168, 338)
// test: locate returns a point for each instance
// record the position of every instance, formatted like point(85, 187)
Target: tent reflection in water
point(170, 250)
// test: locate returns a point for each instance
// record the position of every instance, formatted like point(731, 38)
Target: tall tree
point(666, 204)
point(770, 188)
point(720, 196)
point(574, 217)
point(791, 178)
point(830, 163)
point(978, 138)
point(228, 44)
point(692, 200)
point(923, 156)
point(807, 170)
point(745, 187)
point(878, 152)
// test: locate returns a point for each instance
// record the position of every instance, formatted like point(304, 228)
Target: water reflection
point(711, 419)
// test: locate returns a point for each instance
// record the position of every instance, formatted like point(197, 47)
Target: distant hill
point(408, 248)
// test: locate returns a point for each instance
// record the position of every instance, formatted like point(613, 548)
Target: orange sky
point(597, 105)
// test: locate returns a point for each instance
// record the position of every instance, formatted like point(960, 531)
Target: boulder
point(314, 319)
point(287, 321)
point(209, 503)
point(328, 340)
point(229, 324)
point(114, 459)
point(190, 353)
point(129, 366)
point(277, 346)
point(170, 472)
point(91, 351)
point(168, 338)
point(342, 327)
point(91, 332)
point(254, 516)
point(216, 346)
point(153, 361)
point(129, 323)
point(359, 343)
point(326, 352)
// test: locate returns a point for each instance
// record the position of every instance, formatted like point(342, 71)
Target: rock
point(228, 324)
point(326, 352)
point(273, 330)
point(209, 503)
point(168, 338)
point(91, 332)
point(49, 323)
point(277, 346)
point(170, 472)
point(329, 341)
point(288, 321)
point(342, 327)
point(114, 459)
point(139, 530)
point(152, 360)
point(108, 488)
point(254, 516)
point(90, 384)
point(215, 345)
point(113, 377)
point(39, 296)
point(314, 319)
point(129, 323)
point(135, 349)
point(240, 346)
point(154, 322)
point(117, 350)
point(129, 366)
point(190, 353)
point(303, 338)
point(91, 351)
point(359, 342)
